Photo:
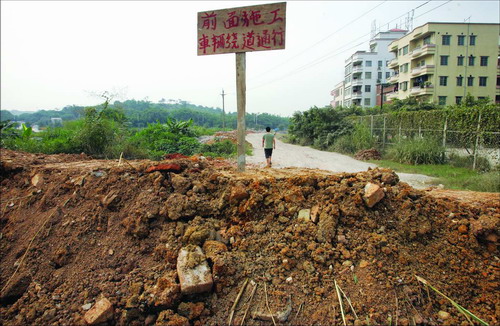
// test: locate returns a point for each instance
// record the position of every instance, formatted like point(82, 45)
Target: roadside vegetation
point(337, 129)
point(141, 113)
point(106, 132)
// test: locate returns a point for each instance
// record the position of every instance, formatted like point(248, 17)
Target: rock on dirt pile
point(192, 242)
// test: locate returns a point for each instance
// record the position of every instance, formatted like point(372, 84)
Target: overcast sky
point(59, 53)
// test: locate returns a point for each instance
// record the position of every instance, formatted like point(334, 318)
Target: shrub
point(98, 134)
point(417, 151)
point(317, 125)
point(343, 145)
point(224, 148)
point(486, 182)
point(482, 163)
point(157, 140)
point(359, 139)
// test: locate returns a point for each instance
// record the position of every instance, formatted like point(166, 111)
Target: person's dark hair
point(268, 129)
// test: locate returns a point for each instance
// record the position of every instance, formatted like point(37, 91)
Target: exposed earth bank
point(90, 241)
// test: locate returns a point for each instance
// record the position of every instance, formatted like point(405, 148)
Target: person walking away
point(269, 143)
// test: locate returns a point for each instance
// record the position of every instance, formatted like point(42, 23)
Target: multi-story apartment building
point(365, 70)
point(338, 95)
point(443, 62)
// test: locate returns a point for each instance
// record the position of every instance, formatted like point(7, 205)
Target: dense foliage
point(141, 113)
point(406, 132)
point(461, 123)
point(105, 131)
point(417, 151)
point(319, 127)
point(359, 139)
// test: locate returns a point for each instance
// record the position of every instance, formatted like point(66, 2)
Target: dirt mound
point(368, 154)
point(89, 241)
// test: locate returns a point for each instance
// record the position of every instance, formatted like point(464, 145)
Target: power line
point(307, 66)
point(322, 40)
point(330, 55)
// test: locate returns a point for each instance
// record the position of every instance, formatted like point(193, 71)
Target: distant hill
point(140, 113)
point(18, 112)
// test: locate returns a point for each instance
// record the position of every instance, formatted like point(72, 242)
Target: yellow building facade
point(443, 62)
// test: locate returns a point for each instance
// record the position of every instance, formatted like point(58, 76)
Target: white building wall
point(364, 69)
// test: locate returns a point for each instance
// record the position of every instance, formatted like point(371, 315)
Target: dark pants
point(268, 152)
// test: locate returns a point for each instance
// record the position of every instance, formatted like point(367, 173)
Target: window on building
point(403, 86)
point(446, 40)
point(484, 61)
point(427, 40)
point(380, 63)
point(472, 39)
point(379, 75)
point(367, 101)
point(482, 81)
point(405, 49)
point(443, 80)
point(387, 75)
point(368, 75)
point(442, 100)
point(399, 52)
point(460, 81)
point(368, 63)
point(458, 99)
point(386, 63)
point(471, 60)
point(461, 40)
point(460, 60)
point(368, 88)
point(470, 81)
point(444, 60)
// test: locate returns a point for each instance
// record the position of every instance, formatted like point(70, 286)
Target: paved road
point(288, 155)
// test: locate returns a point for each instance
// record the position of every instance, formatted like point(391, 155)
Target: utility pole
point(223, 110)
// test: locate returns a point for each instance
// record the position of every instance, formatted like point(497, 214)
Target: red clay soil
point(75, 230)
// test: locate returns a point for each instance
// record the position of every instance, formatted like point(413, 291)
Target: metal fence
point(475, 141)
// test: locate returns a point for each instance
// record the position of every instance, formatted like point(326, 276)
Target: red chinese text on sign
point(244, 29)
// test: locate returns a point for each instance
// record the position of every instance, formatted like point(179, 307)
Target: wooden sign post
point(241, 30)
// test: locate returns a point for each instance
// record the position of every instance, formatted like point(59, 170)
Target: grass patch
point(451, 177)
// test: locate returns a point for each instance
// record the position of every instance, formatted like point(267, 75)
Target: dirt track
point(288, 155)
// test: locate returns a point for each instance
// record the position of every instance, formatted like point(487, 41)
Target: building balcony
point(357, 82)
point(422, 70)
point(356, 69)
point(392, 95)
point(393, 79)
point(357, 95)
point(393, 63)
point(357, 58)
point(424, 50)
point(417, 91)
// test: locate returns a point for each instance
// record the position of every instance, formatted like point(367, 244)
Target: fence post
point(420, 129)
point(371, 125)
point(383, 136)
point(399, 130)
point(444, 131)
point(477, 141)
